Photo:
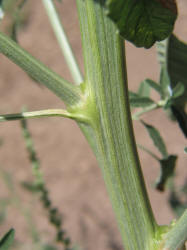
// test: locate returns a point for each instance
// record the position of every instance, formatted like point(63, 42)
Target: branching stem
point(106, 83)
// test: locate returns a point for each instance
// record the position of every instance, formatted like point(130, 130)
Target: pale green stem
point(115, 148)
point(136, 116)
point(42, 113)
point(159, 104)
point(66, 91)
point(177, 236)
point(63, 40)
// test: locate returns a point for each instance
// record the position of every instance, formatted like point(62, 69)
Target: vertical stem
point(106, 86)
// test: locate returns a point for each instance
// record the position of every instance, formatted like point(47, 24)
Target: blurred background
point(70, 169)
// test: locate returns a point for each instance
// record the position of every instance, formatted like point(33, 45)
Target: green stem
point(63, 40)
point(177, 236)
point(160, 104)
point(67, 92)
point(34, 114)
point(106, 88)
point(44, 113)
point(136, 116)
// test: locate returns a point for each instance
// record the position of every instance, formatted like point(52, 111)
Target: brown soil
point(70, 169)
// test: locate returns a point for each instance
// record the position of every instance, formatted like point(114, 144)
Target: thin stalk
point(160, 104)
point(43, 113)
point(136, 116)
point(70, 94)
point(63, 40)
point(106, 87)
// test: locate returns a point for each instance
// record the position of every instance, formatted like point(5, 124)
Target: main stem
point(115, 148)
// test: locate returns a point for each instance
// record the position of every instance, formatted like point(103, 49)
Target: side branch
point(63, 41)
point(176, 237)
point(67, 92)
point(34, 114)
point(44, 113)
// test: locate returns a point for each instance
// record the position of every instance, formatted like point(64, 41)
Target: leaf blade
point(172, 55)
point(137, 102)
point(7, 240)
point(144, 89)
point(142, 22)
point(167, 168)
point(153, 85)
point(156, 138)
point(178, 90)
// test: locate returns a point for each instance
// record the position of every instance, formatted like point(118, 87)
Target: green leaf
point(142, 22)
point(153, 85)
point(176, 203)
point(7, 240)
point(144, 89)
point(166, 171)
point(173, 57)
point(185, 150)
point(157, 139)
point(31, 187)
point(48, 247)
point(169, 103)
point(140, 101)
point(177, 61)
point(132, 94)
point(181, 116)
point(176, 92)
point(148, 151)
